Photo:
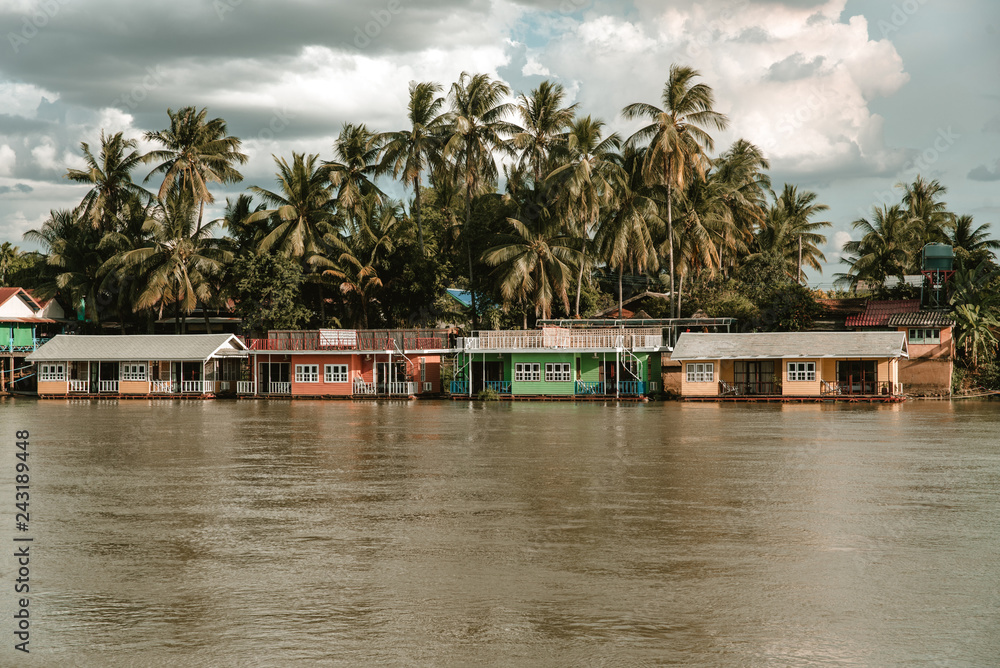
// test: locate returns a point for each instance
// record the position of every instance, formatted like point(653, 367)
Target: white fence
point(161, 387)
point(280, 388)
point(109, 386)
point(402, 388)
point(246, 387)
point(361, 387)
point(79, 386)
point(558, 338)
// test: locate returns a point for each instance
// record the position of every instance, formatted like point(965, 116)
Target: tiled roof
point(7, 293)
point(876, 314)
point(921, 319)
point(786, 345)
point(172, 347)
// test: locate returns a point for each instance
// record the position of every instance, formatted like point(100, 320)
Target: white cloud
point(7, 160)
point(815, 119)
point(47, 157)
point(20, 99)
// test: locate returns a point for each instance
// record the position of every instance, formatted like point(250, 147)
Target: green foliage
point(488, 394)
point(269, 292)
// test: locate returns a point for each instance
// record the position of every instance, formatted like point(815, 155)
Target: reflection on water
point(436, 533)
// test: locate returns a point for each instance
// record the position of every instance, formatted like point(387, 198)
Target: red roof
point(876, 314)
point(7, 293)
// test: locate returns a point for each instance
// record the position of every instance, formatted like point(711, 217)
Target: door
point(857, 376)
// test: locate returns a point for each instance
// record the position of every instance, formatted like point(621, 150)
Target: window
point(557, 372)
point(423, 369)
point(133, 371)
point(335, 373)
point(922, 335)
point(56, 371)
point(801, 371)
point(701, 372)
point(306, 373)
point(527, 372)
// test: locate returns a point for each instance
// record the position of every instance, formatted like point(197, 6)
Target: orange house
point(791, 365)
point(347, 363)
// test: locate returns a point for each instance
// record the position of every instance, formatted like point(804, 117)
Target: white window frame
point(307, 373)
point(701, 372)
point(924, 335)
point(558, 372)
point(527, 372)
point(335, 373)
point(132, 371)
point(423, 369)
point(52, 372)
point(801, 372)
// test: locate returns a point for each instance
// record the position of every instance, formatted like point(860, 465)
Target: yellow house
point(791, 365)
point(139, 365)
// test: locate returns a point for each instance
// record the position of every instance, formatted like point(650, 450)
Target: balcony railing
point(196, 386)
point(26, 347)
point(361, 387)
point(499, 386)
point(162, 387)
point(589, 387)
point(279, 388)
point(246, 387)
point(348, 339)
point(749, 388)
point(108, 386)
point(861, 388)
point(631, 387)
point(402, 388)
point(551, 338)
point(459, 387)
point(79, 386)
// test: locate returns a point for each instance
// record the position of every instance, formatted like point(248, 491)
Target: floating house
point(347, 363)
point(201, 365)
point(929, 340)
point(560, 362)
point(791, 366)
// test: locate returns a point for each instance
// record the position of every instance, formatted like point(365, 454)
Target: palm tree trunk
point(621, 270)
point(579, 287)
point(670, 242)
point(680, 294)
point(416, 213)
point(468, 250)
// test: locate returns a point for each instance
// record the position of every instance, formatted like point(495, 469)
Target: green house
point(557, 361)
point(19, 317)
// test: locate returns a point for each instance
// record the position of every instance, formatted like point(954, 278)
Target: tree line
point(585, 216)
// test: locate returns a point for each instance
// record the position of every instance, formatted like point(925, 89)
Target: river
point(257, 533)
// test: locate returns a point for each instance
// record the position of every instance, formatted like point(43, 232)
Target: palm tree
point(677, 138)
point(195, 153)
point(583, 181)
point(744, 192)
point(110, 175)
point(476, 130)
point(356, 164)
point(929, 216)
point(302, 208)
point(372, 236)
point(788, 232)
point(177, 261)
point(544, 121)
point(8, 255)
point(884, 249)
point(626, 234)
point(75, 260)
point(536, 260)
point(410, 152)
point(976, 331)
point(971, 238)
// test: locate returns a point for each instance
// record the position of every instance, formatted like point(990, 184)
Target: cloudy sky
point(847, 97)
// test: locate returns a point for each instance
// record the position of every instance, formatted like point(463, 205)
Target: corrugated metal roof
point(167, 347)
point(921, 319)
point(783, 345)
